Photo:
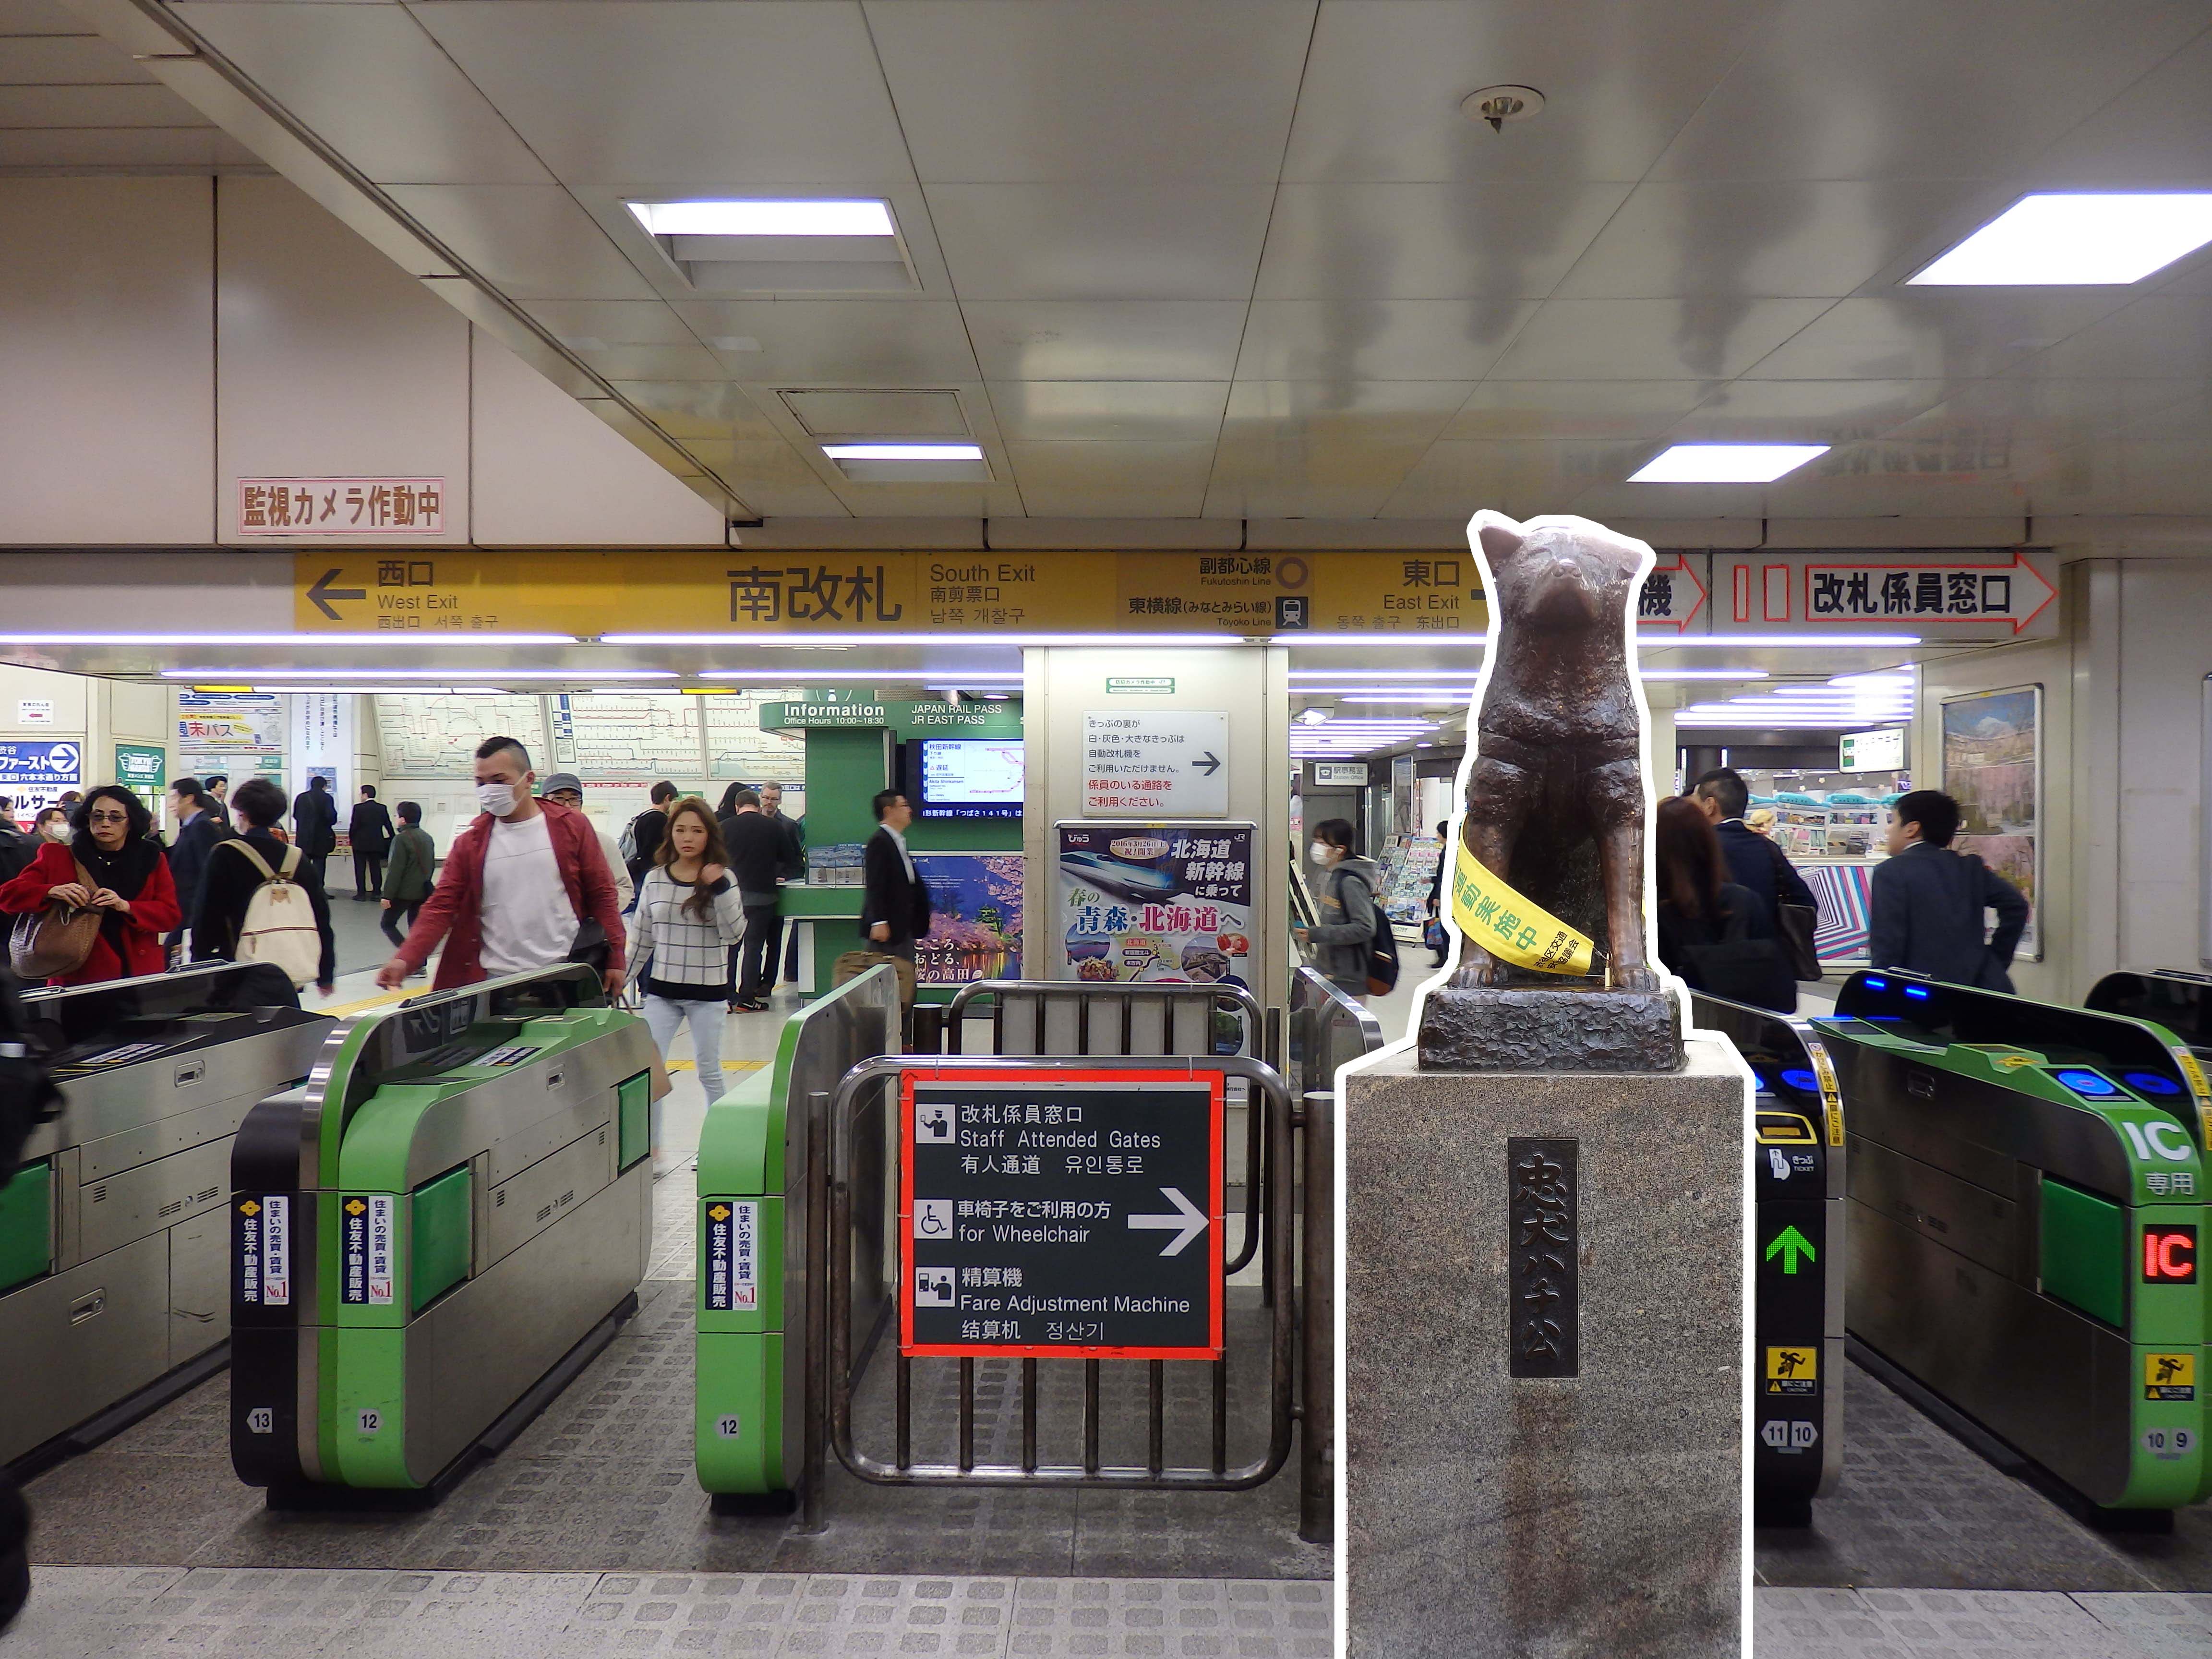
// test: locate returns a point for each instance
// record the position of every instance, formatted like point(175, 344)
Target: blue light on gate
point(1799, 1079)
point(2086, 1083)
point(2150, 1083)
point(1874, 984)
point(1919, 991)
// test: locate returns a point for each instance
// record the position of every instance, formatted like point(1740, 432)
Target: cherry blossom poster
point(977, 930)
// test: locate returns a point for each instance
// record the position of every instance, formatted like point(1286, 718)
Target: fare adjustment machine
point(1798, 1169)
point(435, 1233)
point(2028, 1196)
point(111, 1240)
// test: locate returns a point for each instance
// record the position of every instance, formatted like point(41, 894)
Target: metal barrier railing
point(1327, 1030)
point(861, 1090)
point(1174, 1020)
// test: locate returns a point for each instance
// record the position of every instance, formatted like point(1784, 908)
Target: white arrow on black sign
point(1187, 1224)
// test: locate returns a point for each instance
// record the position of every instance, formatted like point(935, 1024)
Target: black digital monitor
point(969, 777)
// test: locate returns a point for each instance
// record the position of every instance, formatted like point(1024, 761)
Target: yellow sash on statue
point(1489, 912)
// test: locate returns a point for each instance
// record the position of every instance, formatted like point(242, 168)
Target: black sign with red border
point(1048, 1213)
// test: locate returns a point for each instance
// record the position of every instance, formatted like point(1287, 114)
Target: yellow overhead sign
point(746, 592)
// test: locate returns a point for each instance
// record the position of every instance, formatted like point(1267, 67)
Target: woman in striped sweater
point(689, 916)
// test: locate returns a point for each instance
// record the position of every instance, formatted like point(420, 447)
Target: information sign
point(1170, 762)
point(1874, 751)
point(35, 774)
point(1061, 1214)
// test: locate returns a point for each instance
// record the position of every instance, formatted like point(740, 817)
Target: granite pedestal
point(1543, 1517)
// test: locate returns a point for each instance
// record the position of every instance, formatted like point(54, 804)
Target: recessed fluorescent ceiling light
point(395, 637)
point(903, 451)
point(423, 674)
point(764, 218)
point(848, 641)
point(1725, 464)
point(373, 690)
point(2075, 241)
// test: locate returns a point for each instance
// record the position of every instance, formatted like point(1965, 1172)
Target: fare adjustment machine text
point(1061, 1214)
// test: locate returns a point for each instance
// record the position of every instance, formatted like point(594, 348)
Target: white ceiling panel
point(1014, 91)
point(1879, 480)
point(593, 325)
point(1899, 90)
point(1760, 238)
point(150, 105)
point(2003, 419)
point(40, 17)
point(712, 409)
point(714, 96)
point(1265, 477)
point(846, 342)
point(531, 241)
point(1379, 339)
point(1808, 412)
point(1132, 410)
point(1381, 93)
point(1429, 241)
point(1455, 479)
point(2156, 135)
point(1340, 412)
point(1097, 241)
point(370, 82)
point(1111, 480)
point(778, 480)
point(671, 363)
point(2159, 336)
point(127, 149)
point(1587, 410)
point(1954, 334)
point(54, 60)
point(873, 414)
point(1651, 339)
point(1103, 340)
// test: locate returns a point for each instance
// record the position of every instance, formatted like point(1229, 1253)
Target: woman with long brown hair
point(689, 916)
point(1713, 933)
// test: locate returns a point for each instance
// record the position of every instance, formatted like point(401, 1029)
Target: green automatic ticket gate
point(112, 1237)
point(433, 1233)
point(2027, 1189)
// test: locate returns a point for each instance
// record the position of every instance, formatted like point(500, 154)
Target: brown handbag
point(49, 943)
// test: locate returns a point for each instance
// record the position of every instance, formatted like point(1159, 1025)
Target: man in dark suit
point(314, 828)
point(754, 849)
point(1926, 913)
point(1754, 861)
point(369, 833)
point(895, 906)
point(199, 829)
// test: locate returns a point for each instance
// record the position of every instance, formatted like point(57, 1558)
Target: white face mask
point(1322, 852)
point(496, 799)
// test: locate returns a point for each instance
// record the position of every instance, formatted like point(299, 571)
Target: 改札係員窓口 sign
point(1061, 1213)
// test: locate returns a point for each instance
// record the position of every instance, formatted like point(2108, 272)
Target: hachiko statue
point(1555, 811)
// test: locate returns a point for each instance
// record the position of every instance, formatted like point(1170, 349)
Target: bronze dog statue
point(1555, 799)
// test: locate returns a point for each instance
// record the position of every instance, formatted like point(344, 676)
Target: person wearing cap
point(567, 789)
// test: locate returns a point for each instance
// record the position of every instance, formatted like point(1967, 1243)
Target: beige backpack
point(279, 928)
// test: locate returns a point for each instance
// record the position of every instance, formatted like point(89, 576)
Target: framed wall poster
point(976, 932)
point(1993, 768)
point(1156, 904)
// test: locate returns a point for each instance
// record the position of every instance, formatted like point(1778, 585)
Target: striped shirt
point(686, 956)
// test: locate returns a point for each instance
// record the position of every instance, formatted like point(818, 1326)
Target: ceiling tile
point(652, 362)
point(770, 476)
point(1261, 476)
point(699, 408)
point(1147, 410)
point(1879, 480)
point(841, 341)
point(1898, 89)
point(125, 148)
point(680, 95)
point(1383, 86)
point(1026, 90)
point(593, 325)
point(1103, 340)
point(531, 241)
point(1111, 480)
point(878, 414)
point(2134, 478)
point(1429, 241)
point(1651, 339)
point(2159, 336)
point(1760, 238)
point(2154, 136)
point(1808, 412)
point(1575, 409)
point(52, 60)
point(1347, 340)
point(1933, 334)
point(1338, 411)
point(369, 82)
point(1094, 241)
point(1454, 480)
point(40, 17)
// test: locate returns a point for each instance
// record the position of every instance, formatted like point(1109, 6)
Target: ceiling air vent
point(780, 247)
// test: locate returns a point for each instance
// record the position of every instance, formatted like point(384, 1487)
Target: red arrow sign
point(1918, 591)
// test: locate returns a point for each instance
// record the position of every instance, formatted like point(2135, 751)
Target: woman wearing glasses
point(111, 864)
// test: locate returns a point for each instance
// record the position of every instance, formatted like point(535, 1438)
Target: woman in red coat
point(131, 886)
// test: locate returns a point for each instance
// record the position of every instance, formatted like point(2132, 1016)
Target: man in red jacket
point(517, 886)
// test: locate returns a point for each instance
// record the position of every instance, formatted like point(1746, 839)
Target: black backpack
point(1742, 968)
point(1382, 949)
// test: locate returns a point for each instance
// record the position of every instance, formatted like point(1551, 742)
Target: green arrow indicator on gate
point(1789, 1244)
